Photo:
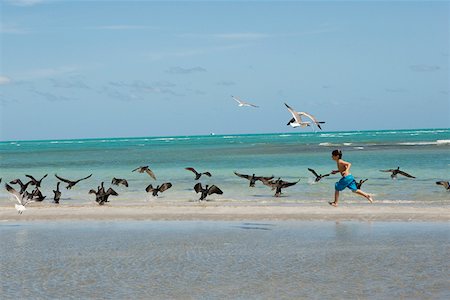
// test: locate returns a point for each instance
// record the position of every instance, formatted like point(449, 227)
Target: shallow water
point(217, 260)
point(422, 153)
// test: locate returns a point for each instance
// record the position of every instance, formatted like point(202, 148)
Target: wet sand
point(214, 211)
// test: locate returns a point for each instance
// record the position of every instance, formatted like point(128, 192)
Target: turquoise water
point(422, 153)
point(224, 260)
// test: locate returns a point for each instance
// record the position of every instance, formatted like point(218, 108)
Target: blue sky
point(84, 69)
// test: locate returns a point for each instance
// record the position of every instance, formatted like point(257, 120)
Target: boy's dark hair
point(337, 153)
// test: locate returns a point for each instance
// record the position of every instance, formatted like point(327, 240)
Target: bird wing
point(326, 175)
point(198, 187)
point(110, 191)
point(237, 100)
point(267, 182)
point(165, 186)
point(243, 175)
point(125, 182)
point(314, 172)
point(261, 178)
point(84, 178)
point(192, 170)
point(150, 173)
point(390, 170)
point(207, 174)
point(15, 193)
point(285, 184)
point(296, 116)
point(31, 177)
point(405, 174)
point(137, 169)
point(311, 117)
point(445, 184)
point(63, 179)
point(214, 190)
point(149, 188)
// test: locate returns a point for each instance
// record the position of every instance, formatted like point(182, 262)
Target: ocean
point(423, 153)
point(224, 260)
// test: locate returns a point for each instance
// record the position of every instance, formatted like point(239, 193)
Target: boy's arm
point(346, 166)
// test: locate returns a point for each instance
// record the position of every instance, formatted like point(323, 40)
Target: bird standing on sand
point(243, 103)
point(198, 174)
point(146, 170)
point(208, 190)
point(101, 196)
point(57, 193)
point(252, 178)
point(397, 171)
point(445, 184)
point(318, 177)
point(118, 181)
point(23, 198)
point(297, 121)
point(70, 182)
point(160, 188)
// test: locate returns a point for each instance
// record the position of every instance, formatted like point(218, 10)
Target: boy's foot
point(370, 198)
point(333, 204)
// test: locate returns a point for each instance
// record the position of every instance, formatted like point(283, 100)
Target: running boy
point(347, 179)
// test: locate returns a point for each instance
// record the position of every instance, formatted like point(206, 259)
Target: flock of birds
point(23, 197)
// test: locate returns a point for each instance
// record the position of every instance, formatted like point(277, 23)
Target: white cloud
point(4, 80)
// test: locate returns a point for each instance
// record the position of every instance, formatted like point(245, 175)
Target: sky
point(92, 69)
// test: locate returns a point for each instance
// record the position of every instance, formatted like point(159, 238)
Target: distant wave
point(424, 143)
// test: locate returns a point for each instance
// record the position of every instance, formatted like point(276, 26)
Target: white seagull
point(297, 121)
point(242, 103)
point(21, 198)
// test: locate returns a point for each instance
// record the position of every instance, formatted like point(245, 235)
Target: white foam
point(442, 142)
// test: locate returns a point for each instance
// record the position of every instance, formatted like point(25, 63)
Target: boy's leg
point(336, 198)
point(367, 196)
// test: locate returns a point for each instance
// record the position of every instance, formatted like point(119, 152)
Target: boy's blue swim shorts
point(347, 181)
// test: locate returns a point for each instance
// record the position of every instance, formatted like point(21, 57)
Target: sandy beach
point(224, 212)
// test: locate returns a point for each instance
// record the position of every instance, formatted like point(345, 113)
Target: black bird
point(318, 177)
point(57, 193)
point(397, 171)
point(0, 180)
point(279, 184)
point(197, 174)
point(37, 195)
point(359, 184)
point(146, 170)
point(101, 196)
point(23, 187)
point(160, 188)
point(117, 181)
point(70, 182)
point(445, 184)
point(35, 182)
point(207, 190)
point(252, 178)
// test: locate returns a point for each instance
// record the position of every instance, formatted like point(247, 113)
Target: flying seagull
point(318, 177)
point(252, 178)
point(397, 171)
point(197, 174)
point(279, 184)
point(70, 182)
point(35, 182)
point(160, 188)
point(57, 193)
point(23, 198)
point(359, 184)
point(445, 184)
point(118, 181)
point(147, 170)
point(243, 103)
point(207, 190)
point(297, 121)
